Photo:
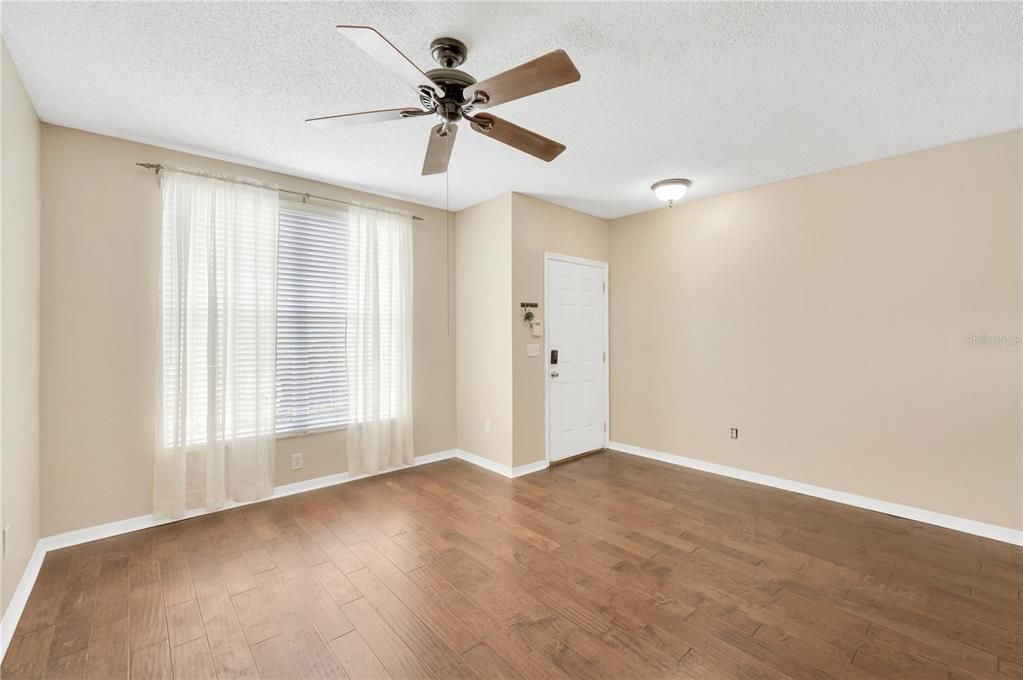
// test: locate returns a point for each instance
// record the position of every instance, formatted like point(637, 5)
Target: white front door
point(576, 331)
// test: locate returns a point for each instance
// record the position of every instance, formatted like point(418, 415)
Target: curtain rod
point(157, 167)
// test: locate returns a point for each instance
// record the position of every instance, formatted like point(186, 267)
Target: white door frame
point(547, 258)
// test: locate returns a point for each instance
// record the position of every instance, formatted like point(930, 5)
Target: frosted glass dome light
point(671, 190)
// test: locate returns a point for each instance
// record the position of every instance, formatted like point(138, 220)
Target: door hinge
point(605, 357)
point(603, 287)
point(605, 426)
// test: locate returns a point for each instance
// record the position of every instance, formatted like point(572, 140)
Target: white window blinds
point(312, 389)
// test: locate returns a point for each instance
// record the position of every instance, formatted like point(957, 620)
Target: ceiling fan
point(453, 95)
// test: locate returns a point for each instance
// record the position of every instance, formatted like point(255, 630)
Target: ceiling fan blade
point(350, 119)
point(518, 137)
point(438, 151)
point(552, 70)
point(381, 49)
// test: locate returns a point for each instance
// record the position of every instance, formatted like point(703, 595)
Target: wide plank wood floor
point(610, 566)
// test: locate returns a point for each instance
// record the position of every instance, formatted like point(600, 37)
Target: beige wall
point(500, 246)
point(824, 316)
point(539, 227)
point(100, 287)
point(827, 317)
point(483, 328)
point(19, 318)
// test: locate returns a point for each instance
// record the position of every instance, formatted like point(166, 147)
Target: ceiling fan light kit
point(453, 95)
point(671, 190)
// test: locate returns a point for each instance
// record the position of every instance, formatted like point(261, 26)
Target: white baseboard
point(427, 458)
point(124, 526)
point(504, 470)
point(529, 468)
point(20, 598)
point(968, 526)
point(485, 463)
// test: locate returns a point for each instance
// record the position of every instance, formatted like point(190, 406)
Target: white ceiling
point(731, 95)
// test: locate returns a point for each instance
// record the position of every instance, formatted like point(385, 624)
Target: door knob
point(554, 374)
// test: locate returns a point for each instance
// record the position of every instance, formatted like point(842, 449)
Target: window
point(312, 389)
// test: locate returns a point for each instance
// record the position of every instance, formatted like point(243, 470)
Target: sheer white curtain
point(378, 342)
point(218, 333)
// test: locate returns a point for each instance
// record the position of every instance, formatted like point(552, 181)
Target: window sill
point(316, 430)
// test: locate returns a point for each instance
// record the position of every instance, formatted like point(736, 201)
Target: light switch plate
point(532, 350)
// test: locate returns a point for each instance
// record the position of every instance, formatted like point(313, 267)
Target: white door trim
point(547, 258)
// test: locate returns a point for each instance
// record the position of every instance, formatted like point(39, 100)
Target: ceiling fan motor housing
point(453, 83)
point(450, 53)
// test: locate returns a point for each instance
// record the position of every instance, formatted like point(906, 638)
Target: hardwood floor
point(609, 566)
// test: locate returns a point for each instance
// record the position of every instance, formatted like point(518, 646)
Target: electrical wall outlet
point(486, 426)
point(734, 432)
point(296, 461)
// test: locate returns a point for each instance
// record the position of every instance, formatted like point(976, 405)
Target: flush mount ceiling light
point(670, 190)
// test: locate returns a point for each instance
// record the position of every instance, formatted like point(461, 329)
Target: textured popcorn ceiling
point(730, 95)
